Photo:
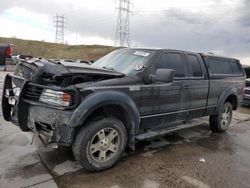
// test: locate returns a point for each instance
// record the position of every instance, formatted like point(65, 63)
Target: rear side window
point(224, 66)
point(220, 66)
point(195, 66)
point(236, 68)
point(171, 61)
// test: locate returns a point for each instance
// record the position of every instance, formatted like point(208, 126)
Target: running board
point(160, 132)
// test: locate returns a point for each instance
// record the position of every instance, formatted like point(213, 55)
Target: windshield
point(127, 61)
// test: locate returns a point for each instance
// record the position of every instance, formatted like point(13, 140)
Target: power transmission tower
point(59, 25)
point(122, 36)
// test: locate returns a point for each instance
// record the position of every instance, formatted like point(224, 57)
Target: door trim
point(169, 113)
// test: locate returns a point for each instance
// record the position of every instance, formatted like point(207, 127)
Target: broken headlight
point(57, 98)
point(16, 89)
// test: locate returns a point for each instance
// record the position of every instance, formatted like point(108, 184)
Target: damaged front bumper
point(51, 124)
point(21, 106)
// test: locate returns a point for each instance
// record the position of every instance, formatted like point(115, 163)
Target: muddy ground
point(193, 157)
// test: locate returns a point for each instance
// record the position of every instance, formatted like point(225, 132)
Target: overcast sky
point(219, 26)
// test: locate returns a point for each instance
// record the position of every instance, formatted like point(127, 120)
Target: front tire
point(100, 144)
point(222, 121)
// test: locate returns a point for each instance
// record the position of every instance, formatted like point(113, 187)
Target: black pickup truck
point(126, 96)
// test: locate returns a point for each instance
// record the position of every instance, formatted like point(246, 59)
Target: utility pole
point(122, 35)
point(59, 25)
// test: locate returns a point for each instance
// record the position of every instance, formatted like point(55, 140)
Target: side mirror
point(164, 75)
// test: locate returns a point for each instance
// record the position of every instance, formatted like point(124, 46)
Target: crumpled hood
point(43, 71)
point(59, 69)
point(90, 69)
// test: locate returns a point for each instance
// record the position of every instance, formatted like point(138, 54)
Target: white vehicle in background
point(246, 95)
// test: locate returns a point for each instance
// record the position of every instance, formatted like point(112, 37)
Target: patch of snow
point(195, 182)
point(115, 186)
point(67, 166)
point(202, 160)
point(150, 184)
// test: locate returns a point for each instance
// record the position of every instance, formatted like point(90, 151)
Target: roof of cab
point(207, 54)
point(217, 56)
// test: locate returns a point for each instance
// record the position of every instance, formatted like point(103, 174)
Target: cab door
point(199, 86)
point(162, 104)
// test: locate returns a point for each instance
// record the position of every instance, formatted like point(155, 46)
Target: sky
point(218, 26)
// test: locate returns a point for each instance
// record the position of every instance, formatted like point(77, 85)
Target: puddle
point(222, 142)
point(174, 138)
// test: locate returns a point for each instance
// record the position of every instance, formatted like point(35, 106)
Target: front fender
point(102, 98)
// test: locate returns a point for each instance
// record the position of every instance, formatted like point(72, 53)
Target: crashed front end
point(39, 108)
point(37, 99)
point(41, 96)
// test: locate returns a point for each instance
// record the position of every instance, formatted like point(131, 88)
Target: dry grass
point(53, 50)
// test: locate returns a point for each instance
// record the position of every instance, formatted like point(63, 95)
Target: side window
point(236, 68)
point(171, 61)
point(220, 66)
point(195, 66)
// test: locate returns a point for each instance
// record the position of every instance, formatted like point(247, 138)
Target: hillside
point(53, 50)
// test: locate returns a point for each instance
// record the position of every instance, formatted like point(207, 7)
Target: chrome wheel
point(104, 145)
point(226, 117)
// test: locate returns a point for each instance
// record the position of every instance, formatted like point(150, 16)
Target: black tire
point(85, 139)
point(217, 122)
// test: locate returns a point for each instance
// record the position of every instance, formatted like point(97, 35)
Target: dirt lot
point(193, 157)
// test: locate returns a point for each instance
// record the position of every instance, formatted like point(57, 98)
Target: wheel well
point(233, 100)
point(115, 111)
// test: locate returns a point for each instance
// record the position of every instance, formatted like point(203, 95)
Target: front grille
point(32, 93)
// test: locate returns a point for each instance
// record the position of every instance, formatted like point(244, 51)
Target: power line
point(59, 25)
point(122, 35)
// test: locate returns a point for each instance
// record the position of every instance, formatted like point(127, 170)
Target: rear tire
point(100, 144)
point(222, 121)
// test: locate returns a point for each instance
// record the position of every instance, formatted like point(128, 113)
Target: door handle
point(186, 87)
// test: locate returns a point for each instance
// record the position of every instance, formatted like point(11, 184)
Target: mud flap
point(23, 116)
point(35, 135)
point(45, 140)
